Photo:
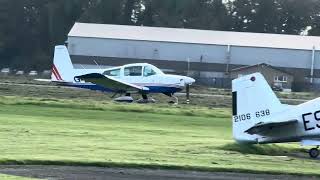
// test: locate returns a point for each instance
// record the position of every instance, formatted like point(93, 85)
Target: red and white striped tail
point(55, 74)
point(62, 69)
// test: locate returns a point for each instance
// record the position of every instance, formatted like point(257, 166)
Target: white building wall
point(147, 50)
point(274, 57)
point(194, 52)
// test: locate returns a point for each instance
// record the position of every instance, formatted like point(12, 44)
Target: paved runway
point(97, 173)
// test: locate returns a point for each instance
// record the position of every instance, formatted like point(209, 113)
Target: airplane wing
point(262, 127)
point(111, 83)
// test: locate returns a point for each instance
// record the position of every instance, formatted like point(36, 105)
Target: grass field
point(95, 133)
point(7, 177)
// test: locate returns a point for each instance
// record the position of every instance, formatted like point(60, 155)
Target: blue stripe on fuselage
point(163, 89)
point(152, 89)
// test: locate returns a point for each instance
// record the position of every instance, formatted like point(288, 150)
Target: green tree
point(4, 20)
point(42, 24)
point(264, 17)
point(206, 14)
point(272, 16)
point(297, 15)
point(201, 14)
point(104, 12)
point(60, 17)
point(315, 31)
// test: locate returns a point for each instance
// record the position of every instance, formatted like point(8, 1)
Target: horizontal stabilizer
point(262, 127)
point(111, 83)
point(43, 80)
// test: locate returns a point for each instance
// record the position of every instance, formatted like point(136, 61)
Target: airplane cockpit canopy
point(150, 70)
point(144, 70)
point(112, 72)
point(133, 71)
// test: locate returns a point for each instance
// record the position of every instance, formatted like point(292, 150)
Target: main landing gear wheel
point(145, 100)
point(174, 100)
point(314, 152)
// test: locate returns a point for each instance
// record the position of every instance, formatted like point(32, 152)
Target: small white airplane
point(139, 78)
point(260, 118)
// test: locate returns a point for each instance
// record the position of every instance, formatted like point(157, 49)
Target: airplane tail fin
point(252, 100)
point(62, 69)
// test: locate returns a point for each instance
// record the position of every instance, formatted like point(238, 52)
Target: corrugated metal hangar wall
point(211, 54)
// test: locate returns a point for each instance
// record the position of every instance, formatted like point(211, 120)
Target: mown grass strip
point(10, 177)
point(38, 134)
point(94, 105)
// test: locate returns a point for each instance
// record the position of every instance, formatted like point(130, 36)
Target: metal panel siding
point(274, 57)
point(147, 50)
point(178, 35)
point(316, 63)
point(214, 57)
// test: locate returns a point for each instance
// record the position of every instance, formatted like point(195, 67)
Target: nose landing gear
point(124, 99)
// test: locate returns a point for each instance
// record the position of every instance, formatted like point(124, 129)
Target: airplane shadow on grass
point(267, 149)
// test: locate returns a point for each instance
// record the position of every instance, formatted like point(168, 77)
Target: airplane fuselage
point(307, 128)
point(140, 78)
point(145, 75)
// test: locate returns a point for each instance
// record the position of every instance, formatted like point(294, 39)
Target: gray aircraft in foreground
point(260, 118)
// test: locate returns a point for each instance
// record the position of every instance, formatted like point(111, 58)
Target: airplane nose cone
point(189, 80)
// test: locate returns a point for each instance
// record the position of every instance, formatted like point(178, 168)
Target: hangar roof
point(193, 36)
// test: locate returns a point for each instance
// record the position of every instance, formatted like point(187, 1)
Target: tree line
point(29, 29)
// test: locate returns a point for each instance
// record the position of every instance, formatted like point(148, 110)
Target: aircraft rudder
point(252, 100)
point(62, 68)
point(252, 92)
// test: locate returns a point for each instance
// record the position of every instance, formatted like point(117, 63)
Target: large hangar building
point(207, 55)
